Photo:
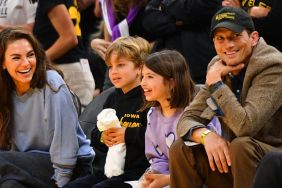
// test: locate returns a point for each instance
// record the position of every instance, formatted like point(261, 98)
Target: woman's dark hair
point(7, 85)
point(171, 65)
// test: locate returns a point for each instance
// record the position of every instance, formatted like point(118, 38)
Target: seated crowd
point(159, 125)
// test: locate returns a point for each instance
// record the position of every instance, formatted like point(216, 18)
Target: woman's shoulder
point(54, 80)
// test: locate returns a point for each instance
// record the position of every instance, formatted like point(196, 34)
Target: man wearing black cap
point(243, 89)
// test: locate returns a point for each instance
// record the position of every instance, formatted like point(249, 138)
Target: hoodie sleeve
point(64, 145)
point(62, 115)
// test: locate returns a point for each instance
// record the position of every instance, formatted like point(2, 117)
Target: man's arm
point(216, 147)
point(192, 114)
point(262, 101)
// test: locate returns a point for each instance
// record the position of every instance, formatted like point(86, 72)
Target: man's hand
point(155, 180)
point(218, 152)
point(218, 70)
point(216, 147)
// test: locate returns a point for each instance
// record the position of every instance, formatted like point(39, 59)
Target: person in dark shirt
point(243, 90)
point(124, 57)
point(57, 29)
point(266, 15)
point(183, 26)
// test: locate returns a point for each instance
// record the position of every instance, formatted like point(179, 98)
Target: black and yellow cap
point(233, 18)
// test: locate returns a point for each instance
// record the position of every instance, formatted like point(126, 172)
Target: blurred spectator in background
point(57, 28)
point(183, 26)
point(266, 15)
point(90, 25)
point(17, 12)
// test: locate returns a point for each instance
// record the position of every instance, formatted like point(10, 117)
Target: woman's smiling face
point(20, 62)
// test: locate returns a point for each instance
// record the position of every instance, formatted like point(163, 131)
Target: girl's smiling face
point(155, 87)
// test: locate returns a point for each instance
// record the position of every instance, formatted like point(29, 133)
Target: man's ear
point(255, 38)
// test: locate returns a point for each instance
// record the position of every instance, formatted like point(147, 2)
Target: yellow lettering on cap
point(226, 15)
point(251, 3)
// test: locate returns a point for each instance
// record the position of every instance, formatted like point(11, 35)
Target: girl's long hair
point(170, 64)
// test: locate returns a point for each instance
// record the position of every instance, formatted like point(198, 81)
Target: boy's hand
point(107, 139)
point(117, 135)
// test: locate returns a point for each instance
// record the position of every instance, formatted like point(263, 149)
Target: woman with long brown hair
point(41, 142)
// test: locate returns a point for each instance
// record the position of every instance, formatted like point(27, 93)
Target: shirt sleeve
point(64, 145)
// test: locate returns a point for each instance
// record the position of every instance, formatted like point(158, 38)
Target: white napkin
point(106, 119)
point(116, 154)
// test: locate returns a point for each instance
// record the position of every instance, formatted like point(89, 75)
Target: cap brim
point(228, 25)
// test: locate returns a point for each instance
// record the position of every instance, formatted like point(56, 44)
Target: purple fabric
point(111, 15)
point(114, 26)
point(160, 134)
point(215, 125)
